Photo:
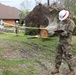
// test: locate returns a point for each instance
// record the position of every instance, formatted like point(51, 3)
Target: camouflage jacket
point(66, 36)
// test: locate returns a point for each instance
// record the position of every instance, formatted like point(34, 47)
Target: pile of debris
point(43, 15)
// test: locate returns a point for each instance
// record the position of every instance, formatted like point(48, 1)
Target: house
point(8, 15)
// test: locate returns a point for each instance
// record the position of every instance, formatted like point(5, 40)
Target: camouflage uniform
point(64, 46)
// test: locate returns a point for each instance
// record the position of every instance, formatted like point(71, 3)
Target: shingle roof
point(7, 12)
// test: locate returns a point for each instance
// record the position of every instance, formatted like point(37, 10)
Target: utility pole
point(48, 2)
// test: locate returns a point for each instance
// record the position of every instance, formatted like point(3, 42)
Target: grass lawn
point(21, 56)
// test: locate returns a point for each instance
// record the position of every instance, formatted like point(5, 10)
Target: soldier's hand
point(59, 31)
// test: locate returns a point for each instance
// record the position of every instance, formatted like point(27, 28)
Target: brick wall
point(9, 22)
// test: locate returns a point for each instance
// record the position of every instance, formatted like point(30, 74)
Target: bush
point(32, 31)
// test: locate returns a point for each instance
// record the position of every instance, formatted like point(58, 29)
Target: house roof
point(7, 12)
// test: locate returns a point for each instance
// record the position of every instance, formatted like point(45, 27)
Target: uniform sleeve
point(69, 29)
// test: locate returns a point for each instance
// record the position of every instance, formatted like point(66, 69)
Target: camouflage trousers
point(65, 50)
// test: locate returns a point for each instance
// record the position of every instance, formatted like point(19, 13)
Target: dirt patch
point(43, 64)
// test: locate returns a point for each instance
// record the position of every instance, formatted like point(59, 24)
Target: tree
point(25, 5)
point(22, 15)
point(24, 10)
point(70, 5)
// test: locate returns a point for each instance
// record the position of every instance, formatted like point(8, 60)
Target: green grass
point(11, 67)
point(11, 42)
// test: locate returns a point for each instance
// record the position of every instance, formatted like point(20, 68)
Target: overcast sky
point(17, 3)
point(13, 3)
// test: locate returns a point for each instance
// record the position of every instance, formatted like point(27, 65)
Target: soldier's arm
point(70, 29)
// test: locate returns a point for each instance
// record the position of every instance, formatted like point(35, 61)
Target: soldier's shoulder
point(71, 21)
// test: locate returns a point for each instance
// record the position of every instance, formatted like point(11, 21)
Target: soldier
point(17, 28)
point(64, 46)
